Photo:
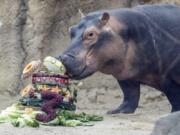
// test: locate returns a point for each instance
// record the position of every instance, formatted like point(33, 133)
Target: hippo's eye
point(91, 34)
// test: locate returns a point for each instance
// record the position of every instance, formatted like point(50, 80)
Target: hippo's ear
point(81, 13)
point(104, 18)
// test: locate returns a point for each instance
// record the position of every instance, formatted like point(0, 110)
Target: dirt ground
point(152, 106)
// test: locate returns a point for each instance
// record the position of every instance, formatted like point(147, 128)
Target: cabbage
point(18, 117)
point(54, 122)
point(25, 120)
point(21, 117)
point(10, 113)
point(30, 121)
point(73, 123)
point(20, 122)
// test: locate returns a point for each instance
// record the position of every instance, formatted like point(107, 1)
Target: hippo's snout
point(74, 67)
point(67, 59)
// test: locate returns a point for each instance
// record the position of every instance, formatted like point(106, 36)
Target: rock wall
point(33, 29)
point(11, 50)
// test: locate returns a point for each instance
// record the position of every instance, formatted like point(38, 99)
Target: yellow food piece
point(55, 89)
point(30, 68)
point(45, 88)
point(29, 110)
point(53, 65)
point(67, 94)
point(27, 90)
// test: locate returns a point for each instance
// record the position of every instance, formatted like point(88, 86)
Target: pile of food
point(48, 100)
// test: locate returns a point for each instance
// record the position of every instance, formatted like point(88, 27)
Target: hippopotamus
point(139, 45)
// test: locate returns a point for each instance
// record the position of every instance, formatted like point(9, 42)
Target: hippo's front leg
point(131, 91)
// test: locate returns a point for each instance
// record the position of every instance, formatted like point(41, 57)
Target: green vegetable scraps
point(21, 116)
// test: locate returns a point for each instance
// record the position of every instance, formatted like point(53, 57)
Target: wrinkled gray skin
point(136, 46)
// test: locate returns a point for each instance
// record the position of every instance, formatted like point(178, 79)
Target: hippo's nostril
point(70, 55)
point(66, 57)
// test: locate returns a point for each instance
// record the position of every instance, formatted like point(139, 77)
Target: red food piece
point(43, 78)
point(49, 107)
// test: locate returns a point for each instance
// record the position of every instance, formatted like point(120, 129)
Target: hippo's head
point(96, 45)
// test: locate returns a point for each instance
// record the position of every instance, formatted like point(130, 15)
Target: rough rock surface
point(11, 50)
point(168, 125)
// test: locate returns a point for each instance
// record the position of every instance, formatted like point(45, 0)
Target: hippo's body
point(137, 46)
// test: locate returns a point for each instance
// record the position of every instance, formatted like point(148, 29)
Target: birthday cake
point(48, 100)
